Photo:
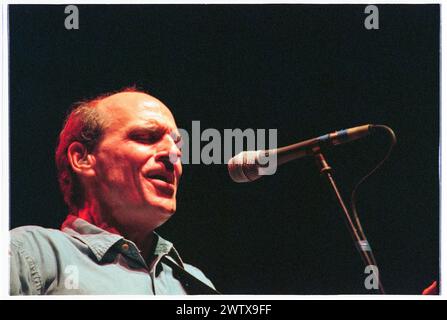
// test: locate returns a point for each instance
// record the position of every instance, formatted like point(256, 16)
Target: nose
point(169, 152)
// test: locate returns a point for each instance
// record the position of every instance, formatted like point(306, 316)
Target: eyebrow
point(149, 125)
point(153, 126)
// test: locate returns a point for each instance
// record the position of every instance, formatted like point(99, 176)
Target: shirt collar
point(100, 241)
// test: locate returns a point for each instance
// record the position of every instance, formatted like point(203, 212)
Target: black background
point(303, 69)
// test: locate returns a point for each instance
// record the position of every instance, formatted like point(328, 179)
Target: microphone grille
point(243, 167)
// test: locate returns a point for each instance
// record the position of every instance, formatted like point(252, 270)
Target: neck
point(97, 215)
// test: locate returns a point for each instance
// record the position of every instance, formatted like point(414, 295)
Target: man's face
point(134, 173)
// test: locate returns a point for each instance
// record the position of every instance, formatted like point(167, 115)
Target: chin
point(153, 217)
point(171, 209)
point(165, 207)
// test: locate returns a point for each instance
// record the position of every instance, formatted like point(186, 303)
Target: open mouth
point(162, 176)
point(163, 182)
point(159, 177)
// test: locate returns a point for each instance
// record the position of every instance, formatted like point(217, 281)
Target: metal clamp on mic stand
point(359, 238)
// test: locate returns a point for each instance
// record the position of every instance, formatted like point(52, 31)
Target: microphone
point(248, 166)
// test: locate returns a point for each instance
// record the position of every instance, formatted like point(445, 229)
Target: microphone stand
point(359, 238)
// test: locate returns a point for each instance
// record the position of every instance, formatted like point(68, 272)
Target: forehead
point(134, 108)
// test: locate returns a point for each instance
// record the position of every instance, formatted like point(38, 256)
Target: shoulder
point(41, 245)
point(32, 236)
point(28, 230)
point(196, 272)
point(37, 243)
point(32, 258)
point(38, 257)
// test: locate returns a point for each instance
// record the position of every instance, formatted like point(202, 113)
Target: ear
point(80, 160)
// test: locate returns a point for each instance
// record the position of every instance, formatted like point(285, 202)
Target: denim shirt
point(85, 259)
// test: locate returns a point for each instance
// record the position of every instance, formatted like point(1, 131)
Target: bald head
point(121, 106)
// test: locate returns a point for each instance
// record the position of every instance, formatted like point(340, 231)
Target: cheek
point(113, 172)
point(119, 167)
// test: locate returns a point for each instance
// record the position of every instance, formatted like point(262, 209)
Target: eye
point(148, 138)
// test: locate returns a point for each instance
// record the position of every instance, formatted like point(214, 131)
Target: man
point(119, 167)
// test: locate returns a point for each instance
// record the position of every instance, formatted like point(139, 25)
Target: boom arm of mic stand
point(361, 243)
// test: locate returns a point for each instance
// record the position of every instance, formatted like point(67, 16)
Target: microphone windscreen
point(243, 167)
